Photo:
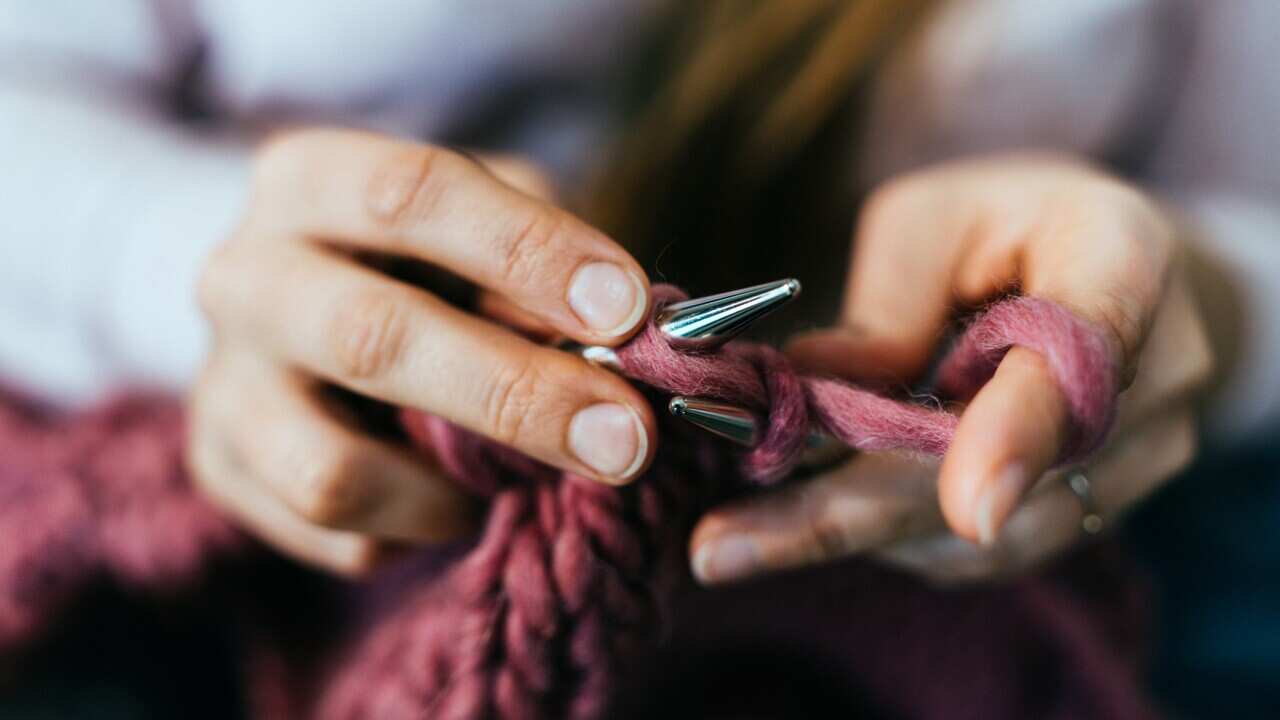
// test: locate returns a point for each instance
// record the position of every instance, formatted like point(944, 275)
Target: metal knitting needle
point(704, 324)
point(727, 421)
point(742, 427)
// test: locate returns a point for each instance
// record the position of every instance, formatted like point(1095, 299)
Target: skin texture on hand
point(954, 237)
point(293, 314)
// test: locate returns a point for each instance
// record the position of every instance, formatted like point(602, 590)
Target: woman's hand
point(293, 312)
point(959, 235)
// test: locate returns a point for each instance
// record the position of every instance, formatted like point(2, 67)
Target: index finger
point(441, 207)
point(1019, 423)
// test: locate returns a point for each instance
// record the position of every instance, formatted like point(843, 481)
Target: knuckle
point(1185, 444)
point(1125, 326)
point(888, 202)
point(521, 174)
point(368, 335)
point(1189, 373)
point(198, 458)
point(332, 488)
point(206, 461)
point(407, 187)
point(1176, 375)
point(206, 444)
point(511, 401)
point(213, 286)
point(1201, 361)
point(527, 248)
point(1205, 365)
point(361, 562)
point(277, 160)
point(1151, 231)
point(204, 394)
point(833, 534)
point(841, 523)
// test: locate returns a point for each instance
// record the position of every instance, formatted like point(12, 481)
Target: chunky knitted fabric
point(569, 579)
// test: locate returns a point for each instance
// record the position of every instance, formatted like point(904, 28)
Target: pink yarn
point(1075, 352)
point(103, 495)
point(758, 377)
point(569, 578)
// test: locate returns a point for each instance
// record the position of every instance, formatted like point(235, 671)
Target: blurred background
point(698, 134)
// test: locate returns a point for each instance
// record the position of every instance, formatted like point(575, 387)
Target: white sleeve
point(107, 205)
point(1218, 160)
point(1243, 237)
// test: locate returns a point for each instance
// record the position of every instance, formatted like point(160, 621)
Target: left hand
point(962, 234)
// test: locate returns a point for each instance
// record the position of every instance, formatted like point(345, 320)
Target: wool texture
point(569, 579)
point(758, 377)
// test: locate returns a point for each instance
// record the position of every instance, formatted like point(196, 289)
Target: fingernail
point(997, 501)
point(729, 558)
point(610, 439)
point(606, 298)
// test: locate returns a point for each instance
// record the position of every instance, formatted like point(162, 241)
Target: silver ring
point(1079, 484)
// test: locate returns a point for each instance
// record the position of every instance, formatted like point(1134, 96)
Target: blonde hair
point(747, 88)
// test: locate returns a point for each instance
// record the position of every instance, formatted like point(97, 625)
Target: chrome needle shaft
point(704, 324)
point(727, 421)
point(741, 426)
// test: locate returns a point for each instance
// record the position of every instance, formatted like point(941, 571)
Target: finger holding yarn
point(758, 379)
point(1075, 352)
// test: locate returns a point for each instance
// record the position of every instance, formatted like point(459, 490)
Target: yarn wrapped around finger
point(759, 378)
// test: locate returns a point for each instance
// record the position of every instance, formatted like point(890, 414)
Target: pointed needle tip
point(721, 419)
point(704, 324)
point(678, 406)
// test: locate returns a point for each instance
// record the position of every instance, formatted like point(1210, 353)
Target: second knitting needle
point(726, 421)
point(742, 427)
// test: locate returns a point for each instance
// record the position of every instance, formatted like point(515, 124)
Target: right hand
point(292, 312)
